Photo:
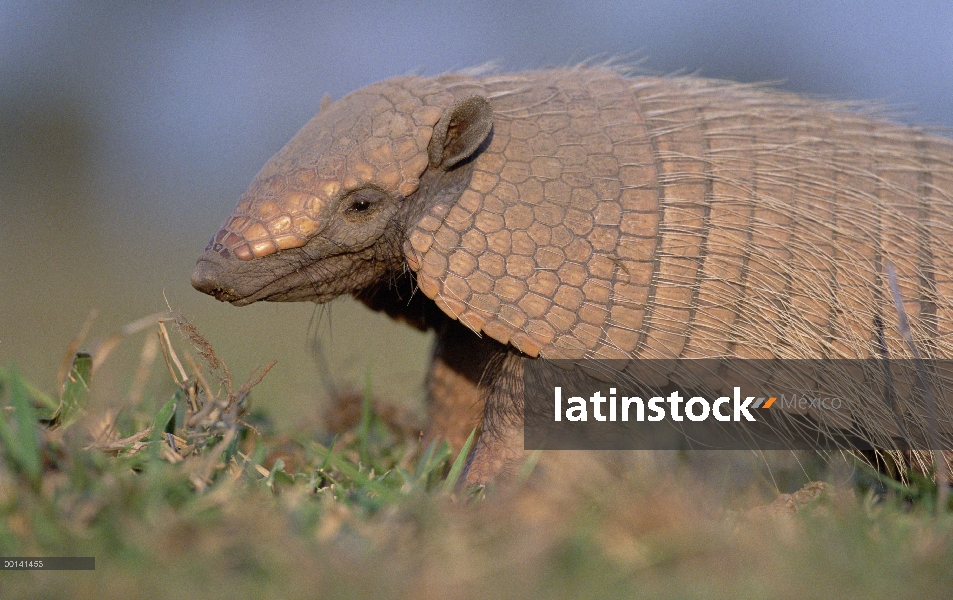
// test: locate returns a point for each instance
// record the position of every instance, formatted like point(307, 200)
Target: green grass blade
point(164, 416)
point(361, 479)
point(327, 452)
point(23, 447)
point(181, 408)
point(75, 395)
point(275, 469)
point(457, 468)
point(527, 467)
point(367, 412)
point(423, 465)
point(46, 402)
point(7, 441)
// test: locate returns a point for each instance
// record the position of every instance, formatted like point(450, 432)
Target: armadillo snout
point(206, 278)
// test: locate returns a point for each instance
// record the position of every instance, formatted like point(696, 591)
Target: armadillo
point(583, 213)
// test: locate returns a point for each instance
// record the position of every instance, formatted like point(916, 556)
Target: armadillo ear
point(460, 131)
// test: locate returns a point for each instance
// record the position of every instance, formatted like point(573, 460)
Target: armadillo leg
point(454, 407)
point(499, 453)
point(497, 457)
point(455, 403)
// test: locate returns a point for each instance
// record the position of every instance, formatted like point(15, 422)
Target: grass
point(192, 493)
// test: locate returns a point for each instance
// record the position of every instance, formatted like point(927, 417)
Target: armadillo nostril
point(204, 279)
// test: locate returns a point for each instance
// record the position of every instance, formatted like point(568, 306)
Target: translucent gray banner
point(732, 404)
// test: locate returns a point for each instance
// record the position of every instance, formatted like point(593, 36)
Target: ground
point(197, 494)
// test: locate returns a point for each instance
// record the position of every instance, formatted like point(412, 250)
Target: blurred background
point(128, 130)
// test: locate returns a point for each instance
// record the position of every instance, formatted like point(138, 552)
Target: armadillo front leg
point(499, 452)
point(455, 406)
point(476, 382)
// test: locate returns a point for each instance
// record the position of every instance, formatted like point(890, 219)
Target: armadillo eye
point(363, 202)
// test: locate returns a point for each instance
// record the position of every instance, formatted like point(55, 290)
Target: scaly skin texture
point(376, 136)
point(602, 217)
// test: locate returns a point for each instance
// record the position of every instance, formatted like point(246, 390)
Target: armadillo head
point(322, 217)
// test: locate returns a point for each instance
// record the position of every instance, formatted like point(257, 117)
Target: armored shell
point(663, 218)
